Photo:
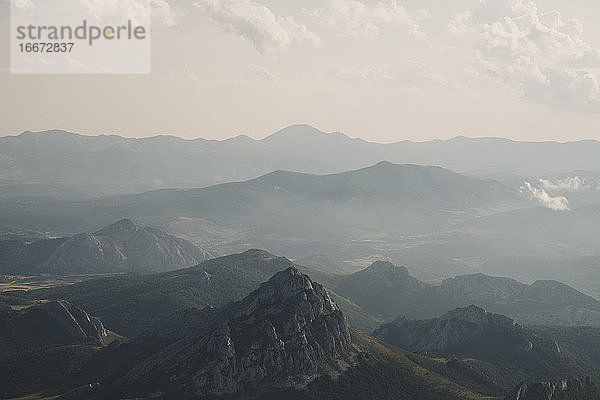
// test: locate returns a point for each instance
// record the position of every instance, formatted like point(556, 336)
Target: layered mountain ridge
point(150, 163)
point(120, 247)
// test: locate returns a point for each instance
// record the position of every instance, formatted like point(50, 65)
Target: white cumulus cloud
point(109, 11)
point(258, 24)
point(353, 18)
point(573, 184)
point(162, 13)
point(542, 53)
point(557, 203)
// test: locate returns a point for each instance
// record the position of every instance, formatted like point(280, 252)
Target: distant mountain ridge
point(120, 247)
point(389, 291)
point(381, 292)
point(492, 344)
point(384, 197)
point(44, 161)
point(437, 222)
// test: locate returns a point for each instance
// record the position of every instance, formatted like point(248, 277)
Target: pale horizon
point(259, 138)
point(384, 71)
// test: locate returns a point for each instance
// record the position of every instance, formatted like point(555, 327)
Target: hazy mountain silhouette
point(66, 164)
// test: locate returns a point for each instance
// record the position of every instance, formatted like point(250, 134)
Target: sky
point(381, 70)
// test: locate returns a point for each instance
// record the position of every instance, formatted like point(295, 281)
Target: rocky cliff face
point(53, 323)
point(123, 246)
point(76, 322)
point(572, 389)
point(284, 334)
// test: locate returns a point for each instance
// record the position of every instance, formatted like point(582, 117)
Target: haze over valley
point(267, 264)
point(300, 200)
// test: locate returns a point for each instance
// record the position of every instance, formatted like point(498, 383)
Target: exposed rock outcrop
point(76, 322)
point(284, 334)
point(572, 389)
point(52, 323)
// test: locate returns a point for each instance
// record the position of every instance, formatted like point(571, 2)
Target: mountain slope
point(120, 247)
point(23, 257)
point(123, 246)
point(44, 346)
point(541, 303)
point(280, 335)
point(380, 293)
point(55, 322)
point(572, 389)
point(277, 207)
point(385, 289)
point(389, 291)
point(133, 304)
point(287, 338)
point(492, 343)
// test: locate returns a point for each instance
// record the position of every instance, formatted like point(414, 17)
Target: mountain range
point(43, 163)
point(288, 338)
point(135, 304)
point(436, 222)
point(283, 335)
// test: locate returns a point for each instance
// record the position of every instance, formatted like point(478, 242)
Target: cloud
point(557, 203)
point(573, 184)
point(263, 73)
point(162, 13)
point(407, 74)
point(542, 53)
point(352, 18)
point(258, 24)
point(108, 11)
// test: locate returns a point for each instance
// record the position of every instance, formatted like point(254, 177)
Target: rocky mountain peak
point(122, 246)
point(284, 334)
point(123, 226)
point(386, 268)
point(288, 284)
